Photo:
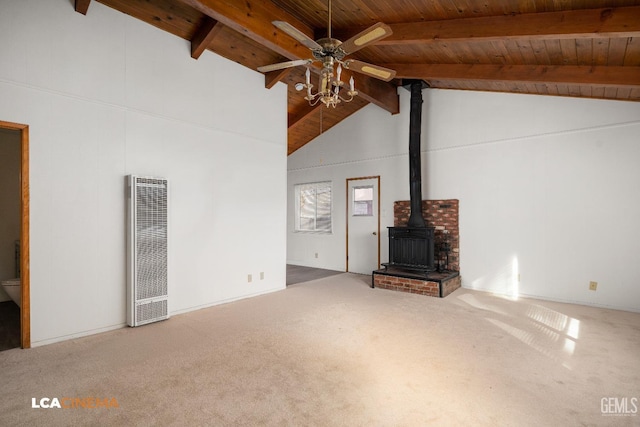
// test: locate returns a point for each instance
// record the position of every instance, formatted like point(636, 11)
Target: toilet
point(13, 289)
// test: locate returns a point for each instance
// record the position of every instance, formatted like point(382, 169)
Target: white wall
point(549, 189)
point(105, 96)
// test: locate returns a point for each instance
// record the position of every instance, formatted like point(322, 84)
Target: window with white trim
point(313, 207)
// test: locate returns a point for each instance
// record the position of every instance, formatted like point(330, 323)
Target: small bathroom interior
point(10, 152)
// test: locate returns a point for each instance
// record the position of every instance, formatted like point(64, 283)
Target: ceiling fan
point(331, 52)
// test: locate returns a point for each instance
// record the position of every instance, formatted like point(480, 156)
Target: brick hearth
point(443, 216)
point(434, 285)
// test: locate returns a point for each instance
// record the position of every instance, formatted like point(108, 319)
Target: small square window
point(363, 201)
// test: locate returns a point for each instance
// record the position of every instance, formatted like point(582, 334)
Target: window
point(313, 207)
point(363, 201)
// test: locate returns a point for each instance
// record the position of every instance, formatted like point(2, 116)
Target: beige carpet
point(335, 352)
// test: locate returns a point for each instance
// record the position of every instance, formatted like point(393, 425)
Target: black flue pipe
point(415, 130)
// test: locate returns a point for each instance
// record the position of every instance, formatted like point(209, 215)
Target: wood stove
point(411, 248)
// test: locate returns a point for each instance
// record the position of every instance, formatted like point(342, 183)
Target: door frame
point(347, 216)
point(25, 303)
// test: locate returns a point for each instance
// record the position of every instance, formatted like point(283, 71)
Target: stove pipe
point(415, 179)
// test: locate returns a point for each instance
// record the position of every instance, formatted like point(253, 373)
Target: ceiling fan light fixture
point(331, 52)
point(329, 85)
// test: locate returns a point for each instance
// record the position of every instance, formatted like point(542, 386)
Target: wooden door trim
point(25, 309)
point(347, 217)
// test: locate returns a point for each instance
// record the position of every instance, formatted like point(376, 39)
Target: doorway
point(363, 224)
point(21, 246)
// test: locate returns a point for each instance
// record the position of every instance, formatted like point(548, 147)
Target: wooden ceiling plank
point(598, 92)
point(540, 52)
point(82, 6)
point(584, 50)
point(568, 24)
point(270, 79)
point(204, 35)
point(611, 92)
point(515, 55)
point(600, 52)
point(526, 50)
point(624, 93)
point(632, 53)
point(302, 114)
point(621, 76)
point(563, 90)
point(253, 18)
point(574, 91)
point(569, 52)
point(554, 51)
point(541, 89)
point(502, 55)
point(617, 49)
point(586, 91)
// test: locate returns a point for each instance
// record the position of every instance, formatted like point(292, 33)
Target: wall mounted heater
point(147, 293)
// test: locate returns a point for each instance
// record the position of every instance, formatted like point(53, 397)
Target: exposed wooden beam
point(583, 75)
point(82, 6)
point(253, 18)
point(568, 24)
point(270, 79)
point(204, 36)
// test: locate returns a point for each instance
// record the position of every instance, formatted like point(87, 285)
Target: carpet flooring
point(300, 274)
point(334, 352)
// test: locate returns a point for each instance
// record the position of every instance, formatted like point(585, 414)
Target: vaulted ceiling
point(576, 48)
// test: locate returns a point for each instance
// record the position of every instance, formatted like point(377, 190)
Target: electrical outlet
point(316, 254)
point(249, 278)
point(593, 286)
point(262, 275)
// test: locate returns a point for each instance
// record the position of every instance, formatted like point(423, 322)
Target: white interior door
point(363, 225)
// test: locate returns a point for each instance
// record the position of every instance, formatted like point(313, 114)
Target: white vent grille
point(147, 287)
point(147, 312)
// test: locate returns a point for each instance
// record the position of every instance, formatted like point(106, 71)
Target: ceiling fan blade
point(376, 71)
point(282, 65)
point(297, 34)
point(370, 35)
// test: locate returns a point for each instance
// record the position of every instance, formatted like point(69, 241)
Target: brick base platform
point(432, 284)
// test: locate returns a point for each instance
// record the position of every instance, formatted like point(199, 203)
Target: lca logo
point(46, 403)
point(73, 403)
point(623, 406)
